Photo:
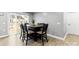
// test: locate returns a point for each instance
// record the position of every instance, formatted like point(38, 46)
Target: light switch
point(58, 23)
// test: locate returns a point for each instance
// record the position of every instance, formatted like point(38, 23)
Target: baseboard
point(65, 36)
point(58, 37)
point(3, 36)
point(55, 37)
point(74, 34)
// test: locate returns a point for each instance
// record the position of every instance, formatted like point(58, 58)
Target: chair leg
point(23, 37)
point(20, 36)
point(42, 41)
point(27, 41)
point(46, 38)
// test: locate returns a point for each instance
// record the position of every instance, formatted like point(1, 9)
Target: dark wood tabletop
point(35, 29)
point(35, 25)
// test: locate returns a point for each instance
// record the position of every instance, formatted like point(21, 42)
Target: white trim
point(65, 36)
point(55, 37)
point(58, 37)
point(3, 36)
point(74, 33)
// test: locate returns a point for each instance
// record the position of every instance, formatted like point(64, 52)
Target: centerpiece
point(33, 22)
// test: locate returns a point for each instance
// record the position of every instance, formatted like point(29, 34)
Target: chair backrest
point(25, 26)
point(45, 26)
point(22, 28)
point(40, 23)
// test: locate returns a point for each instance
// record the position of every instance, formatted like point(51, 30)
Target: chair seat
point(40, 32)
point(29, 32)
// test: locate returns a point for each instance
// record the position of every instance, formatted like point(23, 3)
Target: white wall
point(3, 24)
point(55, 21)
point(72, 22)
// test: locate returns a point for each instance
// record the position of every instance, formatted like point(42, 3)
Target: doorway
point(15, 21)
point(72, 22)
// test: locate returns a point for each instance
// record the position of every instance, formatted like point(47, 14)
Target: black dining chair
point(28, 33)
point(22, 35)
point(24, 32)
point(43, 33)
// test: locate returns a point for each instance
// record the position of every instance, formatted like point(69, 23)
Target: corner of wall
point(57, 37)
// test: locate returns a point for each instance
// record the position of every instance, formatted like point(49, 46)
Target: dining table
point(35, 29)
